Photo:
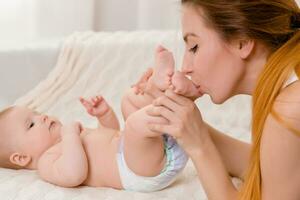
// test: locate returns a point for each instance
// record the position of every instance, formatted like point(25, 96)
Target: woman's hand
point(185, 121)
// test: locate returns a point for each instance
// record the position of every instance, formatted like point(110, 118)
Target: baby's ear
point(19, 159)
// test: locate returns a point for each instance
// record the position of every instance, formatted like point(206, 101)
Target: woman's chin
point(218, 99)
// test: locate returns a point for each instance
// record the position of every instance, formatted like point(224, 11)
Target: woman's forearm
point(235, 154)
point(213, 173)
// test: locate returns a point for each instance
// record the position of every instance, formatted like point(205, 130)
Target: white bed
point(121, 58)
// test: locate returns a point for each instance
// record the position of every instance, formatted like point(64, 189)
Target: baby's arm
point(65, 164)
point(98, 107)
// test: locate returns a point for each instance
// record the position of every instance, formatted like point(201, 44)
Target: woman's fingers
point(179, 99)
point(166, 102)
point(162, 128)
point(157, 111)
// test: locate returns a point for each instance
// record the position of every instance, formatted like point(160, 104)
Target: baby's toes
point(168, 81)
point(99, 98)
point(95, 100)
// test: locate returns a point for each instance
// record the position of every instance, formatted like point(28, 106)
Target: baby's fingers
point(96, 100)
point(86, 103)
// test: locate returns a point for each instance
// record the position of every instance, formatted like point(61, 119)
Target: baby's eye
point(194, 49)
point(31, 125)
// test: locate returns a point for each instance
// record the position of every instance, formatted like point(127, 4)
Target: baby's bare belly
point(101, 146)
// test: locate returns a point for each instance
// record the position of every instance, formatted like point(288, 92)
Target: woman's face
point(212, 64)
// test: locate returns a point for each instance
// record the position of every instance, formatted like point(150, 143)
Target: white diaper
point(176, 161)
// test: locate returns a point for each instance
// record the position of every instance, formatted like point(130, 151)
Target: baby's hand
point(72, 128)
point(95, 106)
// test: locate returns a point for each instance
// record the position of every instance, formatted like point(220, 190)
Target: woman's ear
point(19, 159)
point(245, 48)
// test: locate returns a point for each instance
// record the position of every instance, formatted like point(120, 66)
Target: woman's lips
point(199, 89)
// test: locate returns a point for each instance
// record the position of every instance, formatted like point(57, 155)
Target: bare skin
point(93, 151)
point(223, 70)
point(165, 76)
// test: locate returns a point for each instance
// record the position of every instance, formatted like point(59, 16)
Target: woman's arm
point(234, 153)
point(199, 141)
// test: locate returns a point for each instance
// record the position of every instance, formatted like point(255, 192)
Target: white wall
point(54, 18)
point(29, 20)
point(24, 21)
point(113, 15)
point(16, 19)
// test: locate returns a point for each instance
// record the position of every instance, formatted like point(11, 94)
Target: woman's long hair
point(270, 22)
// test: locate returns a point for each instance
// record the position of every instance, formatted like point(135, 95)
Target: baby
point(135, 158)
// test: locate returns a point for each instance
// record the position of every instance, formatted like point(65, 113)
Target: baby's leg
point(156, 85)
point(163, 70)
point(131, 102)
point(143, 149)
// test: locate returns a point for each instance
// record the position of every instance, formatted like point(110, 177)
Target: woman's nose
point(186, 66)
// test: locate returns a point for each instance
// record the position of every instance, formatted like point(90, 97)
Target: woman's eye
point(194, 49)
point(31, 125)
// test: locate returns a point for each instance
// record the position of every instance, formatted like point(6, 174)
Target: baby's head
point(25, 135)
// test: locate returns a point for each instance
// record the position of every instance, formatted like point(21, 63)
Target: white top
point(291, 80)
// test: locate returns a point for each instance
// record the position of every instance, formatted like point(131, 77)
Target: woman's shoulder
point(287, 105)
point(280, 146)
point(291, 92)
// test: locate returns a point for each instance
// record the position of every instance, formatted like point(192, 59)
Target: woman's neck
point(253, 68)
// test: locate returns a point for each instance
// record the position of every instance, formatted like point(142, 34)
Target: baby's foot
point(184, 86)
point(96, 106)
point(164, 68)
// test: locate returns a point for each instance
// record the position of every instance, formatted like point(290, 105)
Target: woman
point(241, 47)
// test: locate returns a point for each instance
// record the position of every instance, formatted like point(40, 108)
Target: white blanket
point(107, 64)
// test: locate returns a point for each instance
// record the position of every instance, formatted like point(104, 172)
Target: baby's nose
point(44, 118)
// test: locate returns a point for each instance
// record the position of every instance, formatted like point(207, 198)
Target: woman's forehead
point(193, 23)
